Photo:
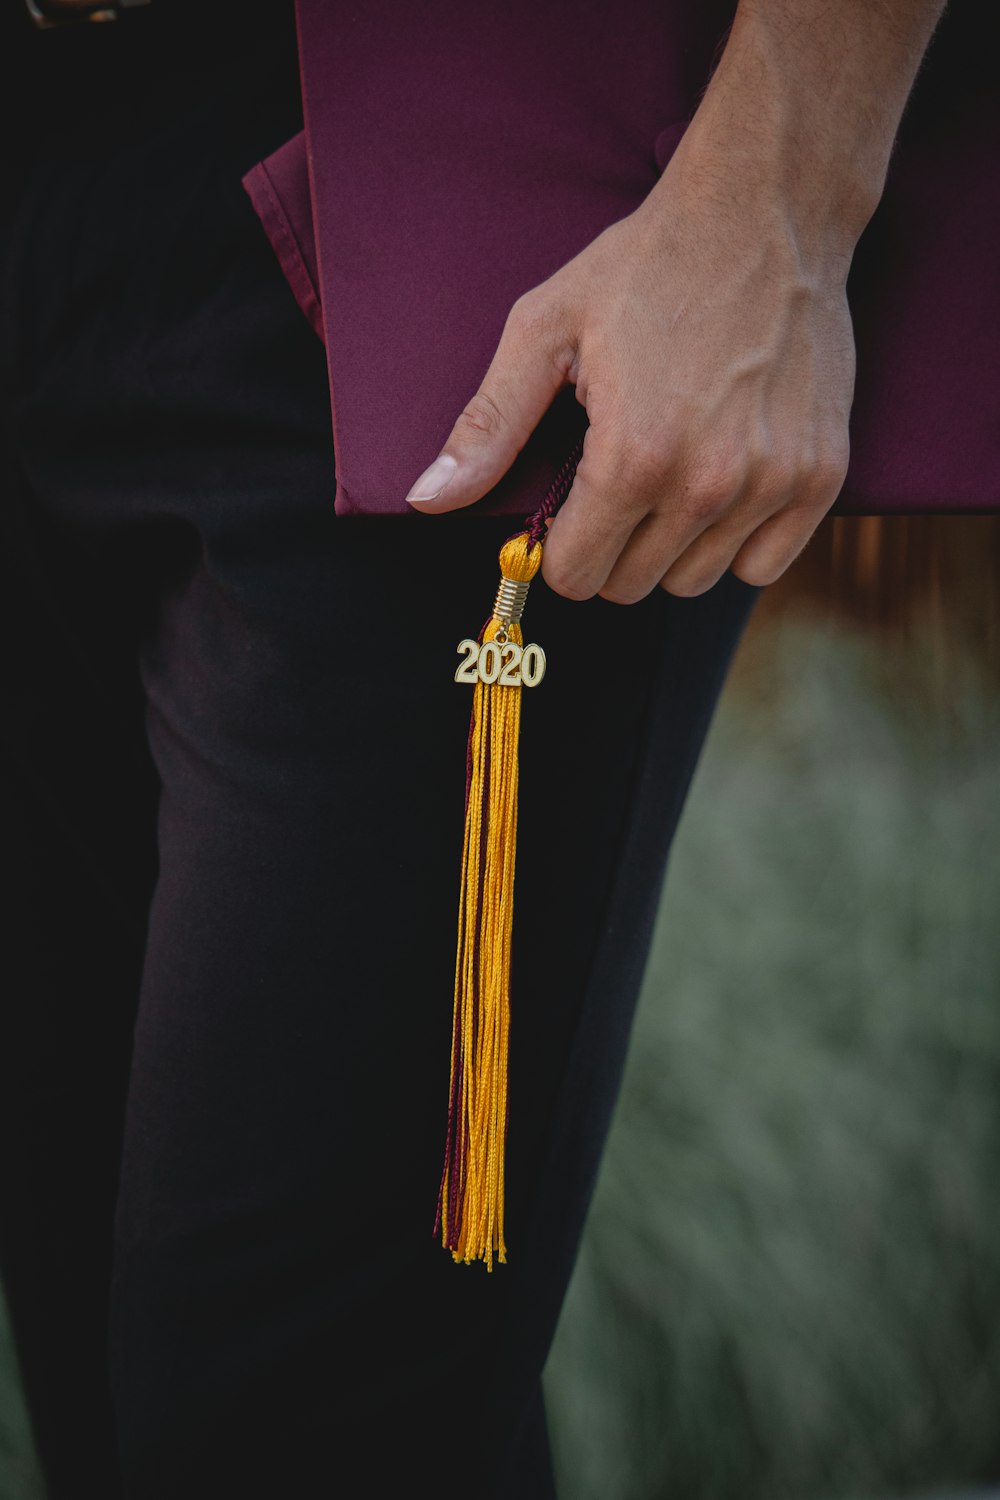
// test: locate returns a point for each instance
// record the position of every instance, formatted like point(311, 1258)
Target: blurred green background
point(790, 1280)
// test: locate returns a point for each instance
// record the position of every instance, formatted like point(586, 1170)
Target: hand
point(715, 359)
point(708, 333)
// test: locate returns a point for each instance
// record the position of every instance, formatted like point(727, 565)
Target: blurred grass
point(790, 1280)
point(20, 1478)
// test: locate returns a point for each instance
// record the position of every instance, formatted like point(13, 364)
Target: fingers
point(591, 527)
point(628, 517)
point(526, 372)
point(754, 522)
point(757, 542)
point(773, 547)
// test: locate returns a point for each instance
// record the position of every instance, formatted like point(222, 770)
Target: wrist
point(798, 120)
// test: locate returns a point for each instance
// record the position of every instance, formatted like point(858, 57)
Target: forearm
point(805, 103)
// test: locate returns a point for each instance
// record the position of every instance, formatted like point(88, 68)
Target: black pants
point(234, 801)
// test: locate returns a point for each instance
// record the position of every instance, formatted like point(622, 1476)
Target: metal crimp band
point(511, 595)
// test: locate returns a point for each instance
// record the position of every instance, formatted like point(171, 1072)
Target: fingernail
point(433, 480)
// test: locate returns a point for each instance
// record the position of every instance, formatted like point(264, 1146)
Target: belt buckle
point(47, 14)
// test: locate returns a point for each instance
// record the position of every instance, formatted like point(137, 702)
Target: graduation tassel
point(498, 664)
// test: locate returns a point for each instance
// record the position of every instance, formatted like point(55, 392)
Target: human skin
point(708, 333)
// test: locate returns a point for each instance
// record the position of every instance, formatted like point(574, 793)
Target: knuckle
point(640, 459)
point(829, 473)
point(714, 477)
point(563, 582)
point(527, 314)
point(774, 478)
point(538, 318)
point(689, 582)
point(818, 482)
point(622, 594)
point(815, 490)
point(766, 564)
point(481, 418)
point(758, 573)
point(687, 588)
point(646, 459)
point(714, 490)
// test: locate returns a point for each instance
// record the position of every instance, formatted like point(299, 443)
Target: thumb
point(526, 371)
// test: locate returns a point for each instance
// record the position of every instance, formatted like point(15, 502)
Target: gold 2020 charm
point(501, 661)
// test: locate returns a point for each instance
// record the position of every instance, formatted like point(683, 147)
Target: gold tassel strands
point(498, 665)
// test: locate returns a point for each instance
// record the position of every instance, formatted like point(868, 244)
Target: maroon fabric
point(446, 168)
point(279, 191)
